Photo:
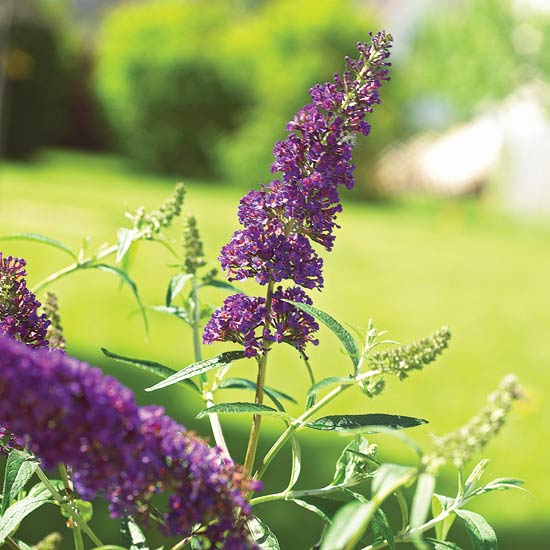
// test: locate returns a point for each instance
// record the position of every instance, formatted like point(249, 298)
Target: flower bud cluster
point(19, 317)
point(459, 446)
point(151, 223)
point(56, 340)
point(402, 360)
point(66, 411)
point(282, 220)
point(192, 246)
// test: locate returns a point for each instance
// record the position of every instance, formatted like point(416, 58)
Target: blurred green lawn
point(411, 266)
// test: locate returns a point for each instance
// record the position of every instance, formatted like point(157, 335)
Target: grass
point(411, 266)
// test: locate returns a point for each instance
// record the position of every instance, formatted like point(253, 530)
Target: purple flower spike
point(302, 205)
point(19, 307)
point(66, 411)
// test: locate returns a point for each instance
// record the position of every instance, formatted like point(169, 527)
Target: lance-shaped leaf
point(176, 285)
point(41, 239)
point(348, 525)
point(222, 285)
point(421, 505)
point(149, 366)
point(19, 469)
point(179, 312)
point(482, 535)
point(382, 529)
point(354, 462)
point(435, 544)
point(245, 384)
point(296, 462)
point(263, 535)
point(362, 422)
point(125, 237)
point(343, 335)
point(17, 512)
point(132, 535)
point(501, 484)
point(198, 368)
point(243, 408)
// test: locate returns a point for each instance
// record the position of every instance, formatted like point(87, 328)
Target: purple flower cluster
point(19, 307)
point(282, 219)
point(242, 319)
point(66, 411)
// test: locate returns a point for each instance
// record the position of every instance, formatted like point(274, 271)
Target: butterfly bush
point(282, 220)
point(66, 411)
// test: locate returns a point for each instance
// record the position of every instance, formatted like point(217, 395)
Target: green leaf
point(296, 462)
point(330, 381)
point(435, 544)
point(501, 484)
point(132, 535)
point(17, 512)
point(345, 422)
point(198, 368)
point(343, 335)
point(223, 285)
point(353, 463)
point(40, 490)
point(85, 509)
point(475, 476)
point(348, 525)
point(245, 384)
point(421, 505)
point(175, 286)
point(389, 477)
point(149, 366)
point(110, 547)
point(312, 508)
point(179, 312)
point(263, 535)
point(382, 529)
point(20, 467)
point(40, 239)
point(480, 532)
point(125, 237)
point(439, 504)
point(242, 408)
point(125, 279)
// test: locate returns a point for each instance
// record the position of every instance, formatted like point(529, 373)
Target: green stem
point(260, 382)
point(208, 397)
point(287, 495)
point(77, 537)
point(68, 508)
point(299, 422)
point(10, 543)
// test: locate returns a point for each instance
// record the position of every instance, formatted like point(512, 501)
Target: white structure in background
point(513, 138)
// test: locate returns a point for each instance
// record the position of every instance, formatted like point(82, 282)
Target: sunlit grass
point(412, 267)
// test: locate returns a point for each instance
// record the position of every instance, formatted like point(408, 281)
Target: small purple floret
point(242, 319)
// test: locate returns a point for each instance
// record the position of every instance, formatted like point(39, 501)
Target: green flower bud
point(417, 355)
point(459, 446)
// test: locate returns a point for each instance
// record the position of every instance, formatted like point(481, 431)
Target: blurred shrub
point(277, 53)
point(462, 55)
point(34, 73)
point(158, 78)
point(207, 87)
